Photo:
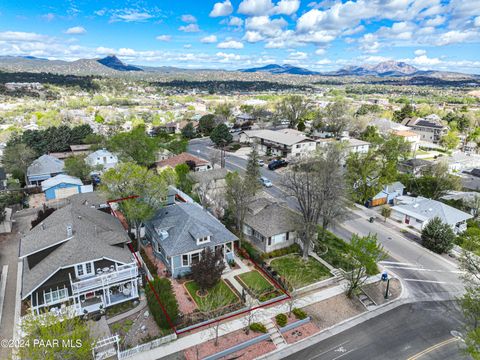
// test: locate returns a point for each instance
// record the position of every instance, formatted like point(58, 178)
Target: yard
point(217, 297)
point(258, 285)
point(299, 272)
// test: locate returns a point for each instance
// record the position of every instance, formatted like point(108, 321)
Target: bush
point(257, 327)
point(165, 293)
point(292, 249)
point(281, 320)
point(150, 266)
point(438, 236)
point(299, 314)
point(253, 253)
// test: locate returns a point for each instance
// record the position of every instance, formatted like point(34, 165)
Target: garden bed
point(213, 295)
point(257, 285)
point(298, 272)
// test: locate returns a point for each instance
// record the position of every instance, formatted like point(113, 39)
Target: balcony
point(122, 273)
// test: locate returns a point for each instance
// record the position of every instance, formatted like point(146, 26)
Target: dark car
point(276, 164)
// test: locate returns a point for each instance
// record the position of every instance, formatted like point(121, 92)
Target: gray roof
point(208, 176)
point(271, 218)
point(397, 185)
point(45, 164)
point(286, 137)
point(427, 209)
point(94, 199)
point(185, 222)
point(60, 179)
point(94, 234)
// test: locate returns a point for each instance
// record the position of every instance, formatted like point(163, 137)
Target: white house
point(103, 158)
point(417, 212)
point(356, 145)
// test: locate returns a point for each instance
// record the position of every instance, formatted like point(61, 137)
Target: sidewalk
point(261, 315)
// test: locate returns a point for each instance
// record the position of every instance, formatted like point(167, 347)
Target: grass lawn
point(256, 282)
point(309, 271)
point(218, 296)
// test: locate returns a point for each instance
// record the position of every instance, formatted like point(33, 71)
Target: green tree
point(386, 212)
point(76, 166)
point(363, 253)
point(371, 135)
point(49, 327)
point(223, 111)
point(407, 111)
point(253, 170)
point(363, 176)
point(162, 287)
point(16, 159)
point(184, 182)
point(135, 146)
point(189, 131)
point(293, 108)
point(206, 124)
point(336, 117)
point(450, 140)
point(221, 135)
point(435, 182)
point(438, 236)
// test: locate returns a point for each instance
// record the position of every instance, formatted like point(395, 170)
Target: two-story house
point(102, 158)
point(429, 128)
point(179, 233)
point(77, 259)
point(43, 168)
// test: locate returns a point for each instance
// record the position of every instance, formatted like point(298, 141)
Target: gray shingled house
point(77, 259)
point(44, 168)
point(271, 225)
point(179, 233)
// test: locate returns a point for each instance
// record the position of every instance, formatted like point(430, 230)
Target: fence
point(147, 346)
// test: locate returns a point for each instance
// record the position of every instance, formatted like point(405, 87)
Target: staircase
point(338, 273)
point(275, 334)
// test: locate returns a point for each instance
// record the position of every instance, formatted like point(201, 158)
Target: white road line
point(332, 349)
point(397, 263)
point(428, 281)
point(338, 357)
point(423, 269)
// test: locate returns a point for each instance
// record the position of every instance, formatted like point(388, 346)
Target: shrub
point(295, 248)
point(165, 293)
point(150, 266)
point(299, 314)
point(253, 253)
point(257, 327)
point(438, 236)
point(281, 320)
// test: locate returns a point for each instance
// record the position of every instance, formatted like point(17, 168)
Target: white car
point(265, 182)
point(260, 162)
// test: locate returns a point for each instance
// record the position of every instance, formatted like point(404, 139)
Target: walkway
point(139, 307)
point(261, 315)
point(230, 276)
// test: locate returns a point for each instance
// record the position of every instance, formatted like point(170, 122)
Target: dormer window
point(203, 240)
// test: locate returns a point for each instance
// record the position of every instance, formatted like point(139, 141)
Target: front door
point(407, 219)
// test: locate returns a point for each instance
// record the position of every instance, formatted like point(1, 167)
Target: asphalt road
point(414, 331)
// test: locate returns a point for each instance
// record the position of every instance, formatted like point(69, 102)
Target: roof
point(427, 209)
point(286, 137)
point(60, 179)
point(208, 176)
point(181, 159)
point(99, 153)
point(81, 147)
point(94, 234)
point(93, 199)
point(405, 133)
point(431, 122)
point(415, 162)
point(397, 185)
point(386, 125)
point(355, 142)
point(271, 218)
point(185, 222)
point(45, 164)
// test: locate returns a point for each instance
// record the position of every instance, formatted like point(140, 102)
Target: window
point(185, 261)
point(84, 269)
point(195, 258)
point(203, 240)
point(88, 268)
point(55, 296)
point(80, 270)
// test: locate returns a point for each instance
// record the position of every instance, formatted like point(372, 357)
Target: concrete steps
point(275, 334)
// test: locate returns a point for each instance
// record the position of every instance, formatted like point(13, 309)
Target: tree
point(162, 287)
point(221, 135)
point(363, 176)
point(134, 145)
point(189, 131)
point(450, 140)
point(363, 253)
point(184, 182)
point(253, 170)
point(386, 212)
point(407, 111)
point(336, 117)
point(206, 124)
point(435, 182)
point(76, 166)
point(371, 135)
point(207, 271)
point(50, 326)
point(293, 108)
point(17, 158)
point(239, 194)
point(223, 111)
point(438, 236)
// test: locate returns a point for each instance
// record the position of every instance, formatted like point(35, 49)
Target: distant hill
point(281, 69)
point(385, 68)
point(115, 63)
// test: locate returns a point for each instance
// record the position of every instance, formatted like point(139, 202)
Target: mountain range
point(112, 65)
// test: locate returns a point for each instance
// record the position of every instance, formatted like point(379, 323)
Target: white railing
point(123, 272)
point(147, 346)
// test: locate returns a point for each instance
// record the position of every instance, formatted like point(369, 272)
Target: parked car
point(276, 164)
point(265, 182)
point(260, 162)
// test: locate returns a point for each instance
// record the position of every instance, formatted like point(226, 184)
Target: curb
point(3, 285)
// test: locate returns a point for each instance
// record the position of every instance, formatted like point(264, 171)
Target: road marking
point(428, 281)
point(339, 356)
point(432, 348)
point(391, 263)
point(336, 348)
point(423, 269)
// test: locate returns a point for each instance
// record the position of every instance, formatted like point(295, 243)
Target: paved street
point(414, 331)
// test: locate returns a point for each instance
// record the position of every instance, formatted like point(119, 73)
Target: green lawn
point(218, 296)
point(256, 282)
point(300, 273)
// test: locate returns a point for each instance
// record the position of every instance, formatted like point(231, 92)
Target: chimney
point(69, 231)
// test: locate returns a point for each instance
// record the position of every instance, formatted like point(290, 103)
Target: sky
point(235, 34)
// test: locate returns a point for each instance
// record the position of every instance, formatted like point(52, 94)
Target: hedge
point(295, 248)
point(281, 320)
point(164, 290)
point(252, 252)
point(150, 266)
point(257, 327)
point(299, 314)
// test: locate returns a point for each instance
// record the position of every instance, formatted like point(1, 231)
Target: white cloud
point(320, 51)
point(324, 62)
point(228, 57)
point(230, 44)
point(369, 43)
point(297, 55)
point(253, 36)
point(420, 52)
point(76, 30)
point(424, 60)
point(287, 7)
point(15, 36)
point(476, 22)
point(165, 38)
point(221, 9)
point(235, 21)
point(436, 21)
point(255, 7)
point(187, 46)
point(104, 50)
point(188, 18)
point(456, 36)
point(130, 15)
point(209, 39)
point(189, 28)
point(48, 17)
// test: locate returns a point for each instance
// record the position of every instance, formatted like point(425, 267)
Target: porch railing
point(123, 272)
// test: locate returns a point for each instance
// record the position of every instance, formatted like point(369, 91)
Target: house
point(81, 149)
point(429, 128)
point(417, 212)
point(415, 167)
point(163, 154)
point(286, 143)
point(356, 145)
point(410, 137)
point(270, 225)
point(62, 186)
point(196, 163)
point(44, 168)
point(102, 158)
point(211, 186)
point(389, 193)
point(181, 231)
point(386, 126)
point(77, 260)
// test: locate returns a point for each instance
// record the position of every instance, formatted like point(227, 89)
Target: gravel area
point(376, 291)
point(333, 310)
point(300, 332)
point(185, 301)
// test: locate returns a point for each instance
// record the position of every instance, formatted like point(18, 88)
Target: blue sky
point(231, 34)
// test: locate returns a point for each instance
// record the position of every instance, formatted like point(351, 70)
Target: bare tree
point(336, 117)
point(203, 191)
point(215, 157)
point(239, 194)
point(291, 281)
point(294, 108)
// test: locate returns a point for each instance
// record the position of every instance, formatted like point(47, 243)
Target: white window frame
point(183, 260)
point(62, 294)
point(83, 267)
point(203, 240)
